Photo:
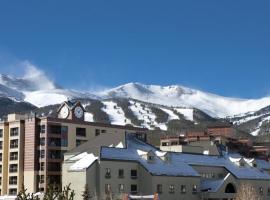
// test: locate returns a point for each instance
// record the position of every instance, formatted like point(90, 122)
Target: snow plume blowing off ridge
point(37, 77)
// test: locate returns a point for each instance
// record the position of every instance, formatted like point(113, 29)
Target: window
point(1, 133)
point(13, 168)
point(121, 188)
point(183, 189)
point(13, 144)
point(0, 168)
point(133, 189)
point(58, 129)
point(54, 154)
point(164, 144)
point(64, 136)
point(97, 132)
point(43, 128)
point(268, 191)
point(13, 156)
point(1, 156)
point(159, 188)
point(108, 173)
point(41, 166)
point(103, 131)
point(151, 158)
point(41, 178)
point(12, 180)
point(174, 143)
point(12, 191)
point(42, 154)
point(194, 189)
point(81, 132)
point(171, 189)
point(120, 173)
point(42, 141)
point(0, 180)
point(1, 145)
point(133, 173)
point(261, 190)
point(107, 188)
point(14, 131)
point(64, 142)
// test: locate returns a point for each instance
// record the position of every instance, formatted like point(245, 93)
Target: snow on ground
point(187, 112)
point(171, 114)
point(246, 119)
point(44, 98)
point(258, 128)
point(145, 114)
point(176, 95)
point(115, 113)
point(89, 117)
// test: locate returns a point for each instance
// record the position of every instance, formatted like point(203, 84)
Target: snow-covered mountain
point(37, 89)
point(151, 106)
point(176, 95)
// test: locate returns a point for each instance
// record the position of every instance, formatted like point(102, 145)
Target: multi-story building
point(12, 154)
point(140, 169)
point(32, 148)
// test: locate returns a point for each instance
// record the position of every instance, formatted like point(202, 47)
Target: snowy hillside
point(175, 95)
point(255, 123)
point(150, 106)
point(151, 116)
point(35, 88)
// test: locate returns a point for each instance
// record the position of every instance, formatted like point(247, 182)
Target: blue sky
point(217, 46)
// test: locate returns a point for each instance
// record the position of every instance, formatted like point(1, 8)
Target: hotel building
point(32, 148)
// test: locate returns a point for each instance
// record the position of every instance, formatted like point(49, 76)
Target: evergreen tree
point(52, 193)
point(67, 193)
point(86, 194)
point(23, 195)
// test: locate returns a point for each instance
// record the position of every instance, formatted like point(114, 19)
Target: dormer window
point(150, 158)
point(241, 164)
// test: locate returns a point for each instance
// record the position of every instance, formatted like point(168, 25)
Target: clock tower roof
point(71, 104)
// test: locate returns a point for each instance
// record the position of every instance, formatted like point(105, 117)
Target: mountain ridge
point(151, 106)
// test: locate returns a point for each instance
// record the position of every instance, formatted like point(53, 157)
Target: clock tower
point(72, 110)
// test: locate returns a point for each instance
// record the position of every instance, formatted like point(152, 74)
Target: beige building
point(32, 148)
point(140, 169)
point(11, 154)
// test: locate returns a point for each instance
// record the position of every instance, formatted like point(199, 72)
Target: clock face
point(78, 112)
point(64, 112)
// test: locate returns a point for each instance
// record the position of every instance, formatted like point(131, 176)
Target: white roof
point(83, 162)
point(180, 163)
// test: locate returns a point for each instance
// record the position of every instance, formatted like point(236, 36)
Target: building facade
point(140, 169)
point(32, 148)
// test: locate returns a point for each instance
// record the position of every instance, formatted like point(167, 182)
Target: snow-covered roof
point(180, 163)
point(136, 148)
point(263, 164)
point(82, 161)
point(241, 172)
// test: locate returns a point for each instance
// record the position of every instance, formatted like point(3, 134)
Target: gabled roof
point(70, 104)
point(211, 185)
point(159, 167)
point(180, 163)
